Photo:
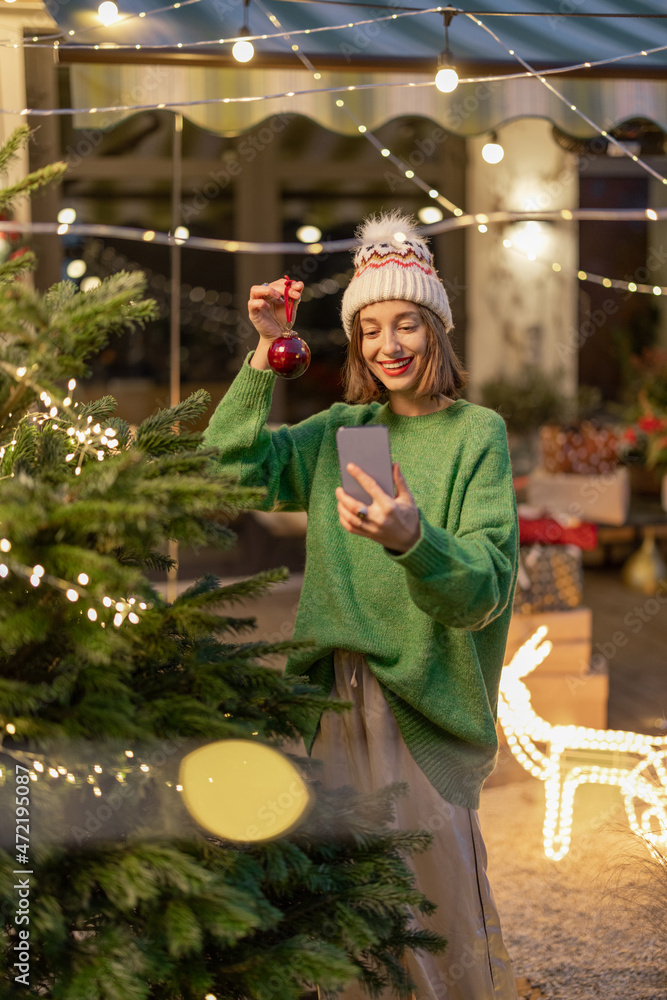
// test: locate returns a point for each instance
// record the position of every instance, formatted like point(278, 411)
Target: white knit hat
point(393, 262)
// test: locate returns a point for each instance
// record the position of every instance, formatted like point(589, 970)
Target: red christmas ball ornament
point(289, 355)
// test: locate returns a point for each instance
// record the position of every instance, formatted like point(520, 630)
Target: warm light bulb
point(430, 214)
point(107, 12)
point(308, 234)
point(529, 237)
point(243, 51)
point(66, 216)
point(446, 79)
point(493, 152)
point(76, 269)
point(92, 281)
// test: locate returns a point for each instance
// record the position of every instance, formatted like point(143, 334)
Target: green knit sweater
point(432, 622)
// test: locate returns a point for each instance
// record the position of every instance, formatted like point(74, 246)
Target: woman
point(407, 600)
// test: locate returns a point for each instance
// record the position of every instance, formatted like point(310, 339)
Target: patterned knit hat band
point(393, 262)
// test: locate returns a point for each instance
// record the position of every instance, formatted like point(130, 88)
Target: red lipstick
point(398, 367)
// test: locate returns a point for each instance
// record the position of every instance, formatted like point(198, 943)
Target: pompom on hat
point(393, 261)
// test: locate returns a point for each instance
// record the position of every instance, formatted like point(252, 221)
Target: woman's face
point(394, 342)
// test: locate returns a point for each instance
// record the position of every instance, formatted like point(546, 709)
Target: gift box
point(569, 632)
point(550, 578)
point(604, 499)
point(586, 449)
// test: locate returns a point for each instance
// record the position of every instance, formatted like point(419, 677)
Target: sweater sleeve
point(465, 579)
point(282, 461)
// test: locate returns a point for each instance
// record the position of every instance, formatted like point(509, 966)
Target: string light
point(37, 575)
point(402, 167)
point(336, 246)
point(243, 50)
point(319, 91)
point(309, 31)
point(619, 284)
point(66, 216)
point(107, 12)
point(589, 121)
point(429, 215)
point(618, 750)
point(309, 234)
point(87, 773)
point(88, 442)
point(492, 151)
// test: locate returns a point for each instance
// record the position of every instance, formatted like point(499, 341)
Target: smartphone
point(367, 447)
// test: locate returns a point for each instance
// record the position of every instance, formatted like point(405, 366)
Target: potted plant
point(526, 400)
point(645, 449)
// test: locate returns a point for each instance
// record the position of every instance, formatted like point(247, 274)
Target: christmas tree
point(109, 889)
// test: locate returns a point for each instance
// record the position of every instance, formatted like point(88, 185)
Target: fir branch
point(15, 141)
point(207, 592)
point(158, 434)
point(16, 267)
point(32, 182)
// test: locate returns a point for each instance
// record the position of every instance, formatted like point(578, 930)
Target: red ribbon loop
point(289, 303)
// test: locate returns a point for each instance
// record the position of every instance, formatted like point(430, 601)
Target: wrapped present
point(550, 578)
point(549, 531)
point(586, 449)
point(600, 499)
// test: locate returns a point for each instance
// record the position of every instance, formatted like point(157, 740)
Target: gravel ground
point(591, 925)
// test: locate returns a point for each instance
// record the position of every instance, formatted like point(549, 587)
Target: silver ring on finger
point(362, 513)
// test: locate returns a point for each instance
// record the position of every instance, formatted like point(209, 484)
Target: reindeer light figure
point(576, 755)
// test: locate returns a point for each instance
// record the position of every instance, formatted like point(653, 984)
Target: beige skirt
point(364, 748)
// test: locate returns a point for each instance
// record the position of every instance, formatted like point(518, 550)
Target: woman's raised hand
point(266, 307)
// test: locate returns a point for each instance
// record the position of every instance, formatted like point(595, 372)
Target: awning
point(384, 58)
point(472, 109)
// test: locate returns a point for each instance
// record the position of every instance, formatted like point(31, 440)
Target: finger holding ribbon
point(391, 521)
point(270, 313)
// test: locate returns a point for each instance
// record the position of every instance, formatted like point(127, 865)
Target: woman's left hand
point(391, 521)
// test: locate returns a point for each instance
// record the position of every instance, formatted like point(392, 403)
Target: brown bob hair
point(442, 373)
